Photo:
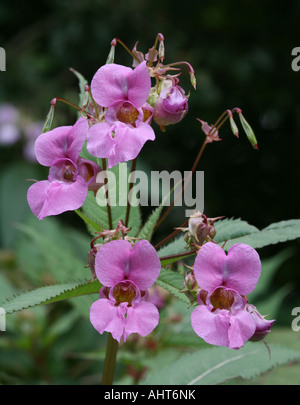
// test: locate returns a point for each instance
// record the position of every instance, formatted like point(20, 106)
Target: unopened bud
point(190, 282)
point(171, 106)
point(247, 128)
point(263, 326)
point(161, 47)
point(91, 259)
point(111, 55)
point(233, 126)
point(49, 118)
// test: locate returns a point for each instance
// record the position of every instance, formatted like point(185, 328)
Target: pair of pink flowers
point(223, 316)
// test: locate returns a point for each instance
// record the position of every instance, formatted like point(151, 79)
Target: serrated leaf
point(275, 233)
point(147, 231)
point(218, 364)
point(231, 228)
point(173, 283)
point(50, 294)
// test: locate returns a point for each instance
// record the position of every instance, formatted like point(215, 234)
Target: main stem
point(133, 166)
point(110, 361)
point(104, 167)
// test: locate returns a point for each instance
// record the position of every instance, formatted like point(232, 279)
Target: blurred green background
point(241, 53)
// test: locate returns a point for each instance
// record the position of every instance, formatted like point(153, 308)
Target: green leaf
point(275, 233)
point(13, 203)
point(147, 231)
point(218, 364)
point(118, 192)
point(176, 246)
point(172, 282)
point(52, 249)
point(231, 228)
point(50, 294)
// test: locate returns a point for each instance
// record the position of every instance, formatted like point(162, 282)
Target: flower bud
point(171, 105)
point(263, 326)
point(247, 128)
point(91, 259)
point(190, 282)
point(201, 228)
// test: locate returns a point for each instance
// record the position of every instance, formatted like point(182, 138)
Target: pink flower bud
point(263, 326)
point(171, 105)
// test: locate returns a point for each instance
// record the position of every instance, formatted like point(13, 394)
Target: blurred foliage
point(241, 53)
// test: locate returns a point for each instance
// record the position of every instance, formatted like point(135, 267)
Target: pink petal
point(211, 326)
point(106, 317)
point(141, 319)
point(243, 268)
point(129, 142)
point(52, 145)
point(117, 261)
point(242, 328)
point(77, 138)
point(61, 142)
point(47, 198)
point(100, 142)
point(109, 84)
point(209, 265)
point(139, 85)
point(144, 265)
point(112, 260)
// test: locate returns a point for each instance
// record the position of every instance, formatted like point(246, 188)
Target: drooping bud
point(233, 126)
point(161, 47)
point(200, 229)
point(263, 326)
point(171, 106)
point(49, 118)
point(247, 128)
point(91, 259)
point(111, 55)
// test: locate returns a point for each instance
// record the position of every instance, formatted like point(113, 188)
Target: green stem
point(128, 50)
point(178, 255)
point(184, 186)
point(71, 104)
point(174, 233)
point(133, 166)
point(110, 360)
point(104, 167)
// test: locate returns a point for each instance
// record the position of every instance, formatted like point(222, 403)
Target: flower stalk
point(110, 360)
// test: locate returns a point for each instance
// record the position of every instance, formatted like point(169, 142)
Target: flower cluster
point(115, 123)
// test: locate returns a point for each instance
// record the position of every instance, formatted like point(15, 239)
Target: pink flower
point(124, 93)
point(69, 175)
point(171, 106)
point(221, 318)
point(126, 273)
